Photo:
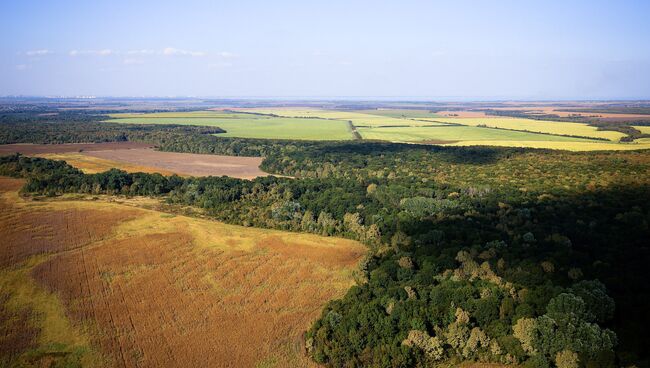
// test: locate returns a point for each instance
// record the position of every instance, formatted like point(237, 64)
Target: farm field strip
point(253, 126)
point(34, 149)
point(397, 125)
point(540, 126)
point(568, 146)
point(122, 286)
point(90, 164)
point(358, 119)
point(457, 133)
point(95, 158)
point(401, 113)
point(191, 164)
point(642, 129)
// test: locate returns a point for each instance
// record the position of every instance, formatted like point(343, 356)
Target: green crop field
point(252, 126)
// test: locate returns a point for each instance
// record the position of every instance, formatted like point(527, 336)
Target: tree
point(567, 359)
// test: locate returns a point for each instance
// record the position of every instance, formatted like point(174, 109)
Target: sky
point(430, 50)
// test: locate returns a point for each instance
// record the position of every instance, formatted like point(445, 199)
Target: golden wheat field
point(112, 285)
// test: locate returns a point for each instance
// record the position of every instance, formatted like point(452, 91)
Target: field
point(248, 125)
point(187, 163)
point(34, 149)
point(456, 133)
point(464, 127)
point(550, 127)
point(100, 157)
point(359, 119)
point(109, 284)
point(643, 129)
point(92, 165)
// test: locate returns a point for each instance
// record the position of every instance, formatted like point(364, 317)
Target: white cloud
point(226, 54)
point(104, 52)
point(170, 51)
point(22, 66)
point(41, 52)
point(141, 52)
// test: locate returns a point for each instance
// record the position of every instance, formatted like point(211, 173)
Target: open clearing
point(34, 149)
point(129, 157)
point(192, 164)
point(396, 125)
point(106, 284)
point(248, 125)
point(642, 129)
point(357, 118)
point(92, 165)
point(456, 133)
point(539, 126)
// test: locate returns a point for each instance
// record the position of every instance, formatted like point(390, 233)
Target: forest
point(505, 255)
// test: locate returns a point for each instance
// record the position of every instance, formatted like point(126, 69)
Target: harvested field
point(140, 157)
point(34, 149)
point(121, 286)
point(187, 163)
point(93, 165)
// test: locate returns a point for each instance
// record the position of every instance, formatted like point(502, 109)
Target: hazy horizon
point(414, 50)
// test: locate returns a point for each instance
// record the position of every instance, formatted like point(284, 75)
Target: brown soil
point(153, 290)
point(33, 149)
point(34, 229)
point(93, 165)
point(187, 163)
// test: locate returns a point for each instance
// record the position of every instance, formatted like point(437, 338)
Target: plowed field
point(106, 284)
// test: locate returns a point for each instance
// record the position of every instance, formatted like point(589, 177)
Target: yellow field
point(93, 165)
point(551, 127)
point(568, 146)
point(642, 129)
point(358, 119)
point(106, 284)
point(405, 126)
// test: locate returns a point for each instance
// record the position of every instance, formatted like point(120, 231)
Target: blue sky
point(456, 50)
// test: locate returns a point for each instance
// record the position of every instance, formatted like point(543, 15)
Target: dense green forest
point(518, 256)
